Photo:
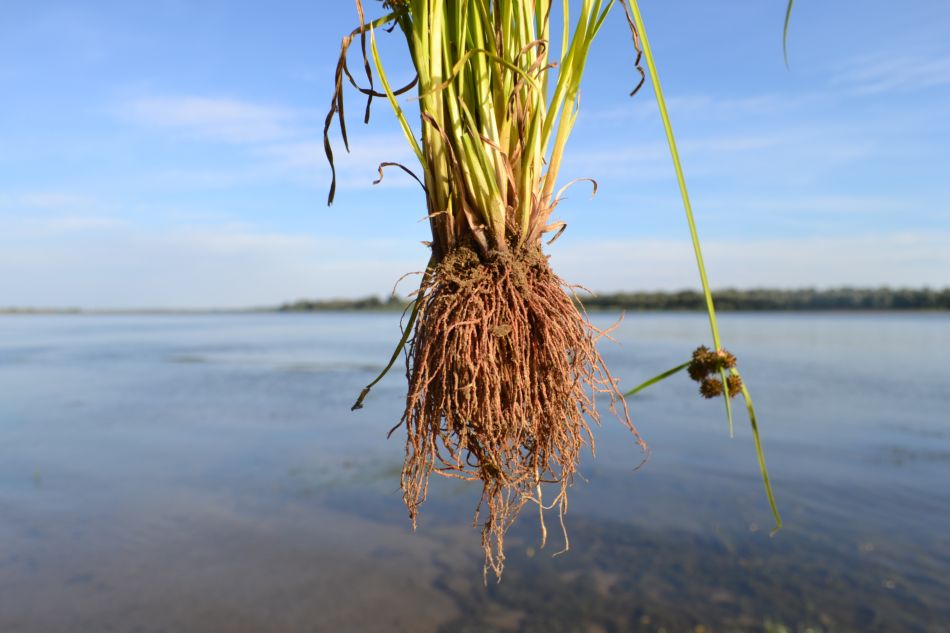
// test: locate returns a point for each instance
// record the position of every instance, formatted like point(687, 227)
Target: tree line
point(730, 299)
point(761, 299)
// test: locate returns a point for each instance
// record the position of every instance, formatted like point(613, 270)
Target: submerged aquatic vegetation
point(502, 365)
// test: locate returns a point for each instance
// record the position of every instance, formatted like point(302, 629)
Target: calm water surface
point(204, 473)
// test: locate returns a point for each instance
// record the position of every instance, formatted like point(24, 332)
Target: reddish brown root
point(503, 377)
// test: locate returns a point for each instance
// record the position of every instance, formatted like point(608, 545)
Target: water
point(204, 473)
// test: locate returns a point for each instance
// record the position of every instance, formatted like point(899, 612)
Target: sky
point(169, 153)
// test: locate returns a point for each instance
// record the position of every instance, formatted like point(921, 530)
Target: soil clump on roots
point(503, 380)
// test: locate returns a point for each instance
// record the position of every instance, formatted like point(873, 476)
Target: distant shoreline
point(727, 300)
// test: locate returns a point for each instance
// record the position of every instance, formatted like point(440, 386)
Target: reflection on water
point(204, 473)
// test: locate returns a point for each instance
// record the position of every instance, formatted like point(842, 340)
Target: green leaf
point(788, 19)
point(728, 398)
point(656, 379)
point(680, 176)
point(391, 97)
point(697, 250)
point(401, 345)
point(753, 422)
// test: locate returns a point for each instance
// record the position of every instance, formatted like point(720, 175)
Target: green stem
point(788, 19)
point(760, 454)
point(403, 340)
point(684, 193)
point(680, 178)
point(656, 379)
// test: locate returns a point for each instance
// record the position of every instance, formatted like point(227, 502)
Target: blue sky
point(169, 153)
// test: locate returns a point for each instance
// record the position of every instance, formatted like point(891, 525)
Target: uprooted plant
point(502, 365)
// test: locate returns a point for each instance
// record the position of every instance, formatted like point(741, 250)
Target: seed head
point(707, 362)
point(727, 359)
point(703, 363)
point(735, 385)
point(710, 388)
point(697, 371)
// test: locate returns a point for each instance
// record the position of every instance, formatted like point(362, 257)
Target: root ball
point(503, 378)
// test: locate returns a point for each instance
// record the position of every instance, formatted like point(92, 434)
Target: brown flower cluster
point(707, 364)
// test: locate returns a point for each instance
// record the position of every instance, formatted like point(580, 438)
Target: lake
point(204, 473)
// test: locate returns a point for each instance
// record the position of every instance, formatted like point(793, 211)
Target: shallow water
point(204, 473)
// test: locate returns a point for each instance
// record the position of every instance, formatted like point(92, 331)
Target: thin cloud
point(74, 223)
point(236, 265)
point(879, 73)
point(46, 201)
point(704, 106)
point(217, 119)
point(210, 266)
point(356, 169)
point(650, 161)
point(838, 204)
point(803, 154)
point(53, 212)
point(905, 259)
point(20, 229)
point(280, 144)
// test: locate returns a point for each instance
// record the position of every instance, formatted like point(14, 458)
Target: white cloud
point(69, 223)
point(366, 151)
point(838, 204)
point(42, 212)
point(45, 201)
point(210, 266)
point(281, 144)
point(651, 161)
point(908, 259)
point(218, 119)
point(885, 72)
point(799, 155)
point(233, 265)
point(702, 106)
point(356, 169)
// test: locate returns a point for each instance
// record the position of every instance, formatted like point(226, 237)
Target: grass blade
point(406, 129)
point(728, 399)
point(753, 422)
point(392, 360)
point(694, 235)
point(656, 379)
point(788, 19)
point(680, 177)
point(401, 345)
